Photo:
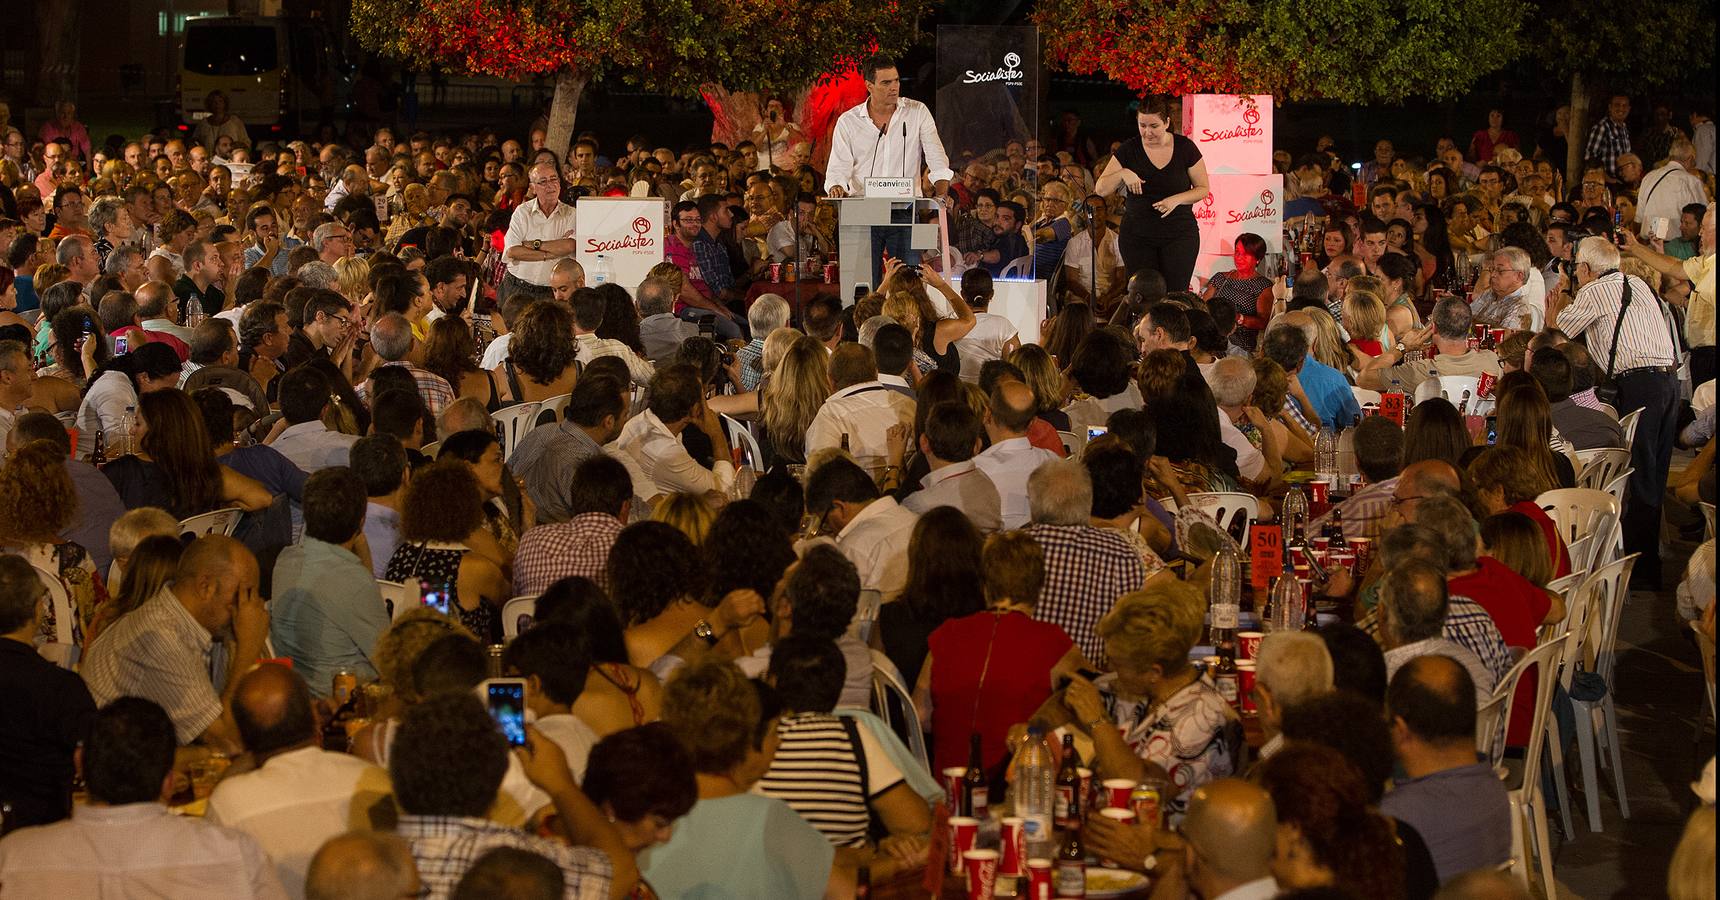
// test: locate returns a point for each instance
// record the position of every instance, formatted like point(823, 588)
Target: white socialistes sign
point(1009, 74)
point(1233, 131)
point(620, 238)
point(1240, 203)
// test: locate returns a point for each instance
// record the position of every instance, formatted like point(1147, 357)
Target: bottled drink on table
point(1068, 809)
point(601, 271)
point(976, 790)
point(193, 313)
point(1291, 515)
point(1326, 453)
point(1285, 612)
point(1072, 866)
point(98, 451)
point(127, 424)
point(1035, 772)
point(1226, 597)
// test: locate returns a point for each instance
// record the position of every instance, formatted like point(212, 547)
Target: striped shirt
point(590, 347)
point(444, 847)
point(828, 774)
point(1648, 336)
point(1086, 570)
point(160, 653)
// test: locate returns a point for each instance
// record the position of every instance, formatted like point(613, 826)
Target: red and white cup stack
point(1014, 841)
point(981, 869)
point(1245, 684)
point(1039, 885)
point(1248, 643)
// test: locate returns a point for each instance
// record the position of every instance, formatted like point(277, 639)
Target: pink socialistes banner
point(1233, 131)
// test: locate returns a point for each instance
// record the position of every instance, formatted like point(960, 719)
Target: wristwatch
point(537, 244)
point(1151, 863)
point(704, 632)
point(1400, 348)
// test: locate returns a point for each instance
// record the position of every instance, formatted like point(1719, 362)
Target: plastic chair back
point(396, 597)
point(1611, 587)
point(1600, 466)
point(517, 615)
point(215, 521)
point(1629, 422)
point(741, 438)
point(550, 409)
point(512, 423)
point(891, 694)
point(1229, 509)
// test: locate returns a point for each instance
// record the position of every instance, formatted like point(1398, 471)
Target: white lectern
point(855, 219)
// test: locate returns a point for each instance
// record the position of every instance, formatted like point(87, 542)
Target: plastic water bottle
point(1326, 453)
point(126, 423)
point(1286, 613)
point(1035, 793)
point(193, 312)
point(1226, 610)
point(601, 272)
point(1292, 513)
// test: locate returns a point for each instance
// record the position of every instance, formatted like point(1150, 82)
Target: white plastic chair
point(1018, 267)
point(215, 521)
point(554, 406)
point(517, 615)
point(1616, 487)
point(1571, 631)
point(1490, 726)
point(1528, 807)
point(742, 437)
point(1463, 391)
point(1226, 507)
point(1609, 410)
point(1597, 720)
point(888, 684)
point(1600, 466)
point(431, 449)
point(1365, 396)
point(1565, 587)
point(396, 597)
point(1579, 513)
point(1072, 444)
point(866, 613)
point(1629, 423)
point(512, 423)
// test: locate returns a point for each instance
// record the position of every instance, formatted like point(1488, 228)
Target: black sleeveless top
point(950, 360)
point(1157, 183)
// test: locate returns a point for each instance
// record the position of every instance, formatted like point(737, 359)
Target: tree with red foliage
point(675, 47)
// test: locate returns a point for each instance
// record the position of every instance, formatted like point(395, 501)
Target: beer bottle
point(1337, 543)
point(1225, 675)
point(334, 737)
point(1066, 807)
point(974, 784)
point(98, 453)
point(1072, 866)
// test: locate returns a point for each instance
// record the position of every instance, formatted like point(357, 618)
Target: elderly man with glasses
point(1505, 302)
point(540, 232)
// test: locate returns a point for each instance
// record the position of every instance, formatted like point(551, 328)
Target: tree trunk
point(1576, 132)
point(57, 78)
point(569, 84)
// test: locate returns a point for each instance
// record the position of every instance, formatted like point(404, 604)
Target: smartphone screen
point(438, 596)
point(1094, 431)
point(1492, 430)
point(506, 700)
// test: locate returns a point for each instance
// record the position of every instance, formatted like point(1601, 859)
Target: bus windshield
point(229, 49)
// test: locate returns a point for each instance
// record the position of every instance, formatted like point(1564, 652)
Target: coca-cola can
point(776, 273)
point(1086, 776)
point(829, 273)
point(1039, 879)
point(1364, 550)
point(1014, 841)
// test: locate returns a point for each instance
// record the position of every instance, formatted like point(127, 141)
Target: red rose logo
point(1251, 115)
point(1266, 197)
point(641, 225)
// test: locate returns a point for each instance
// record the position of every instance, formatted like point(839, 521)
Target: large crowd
point(313, 452)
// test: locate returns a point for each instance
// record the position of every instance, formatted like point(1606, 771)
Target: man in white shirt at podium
point(888, 136)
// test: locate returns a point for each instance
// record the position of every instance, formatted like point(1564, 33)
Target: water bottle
point(601, 273)
point(126, 423)
point(1286, 613)
point(193, 312)
point(1292, 514)
point(1226, 608)
point(1035, 793)
point(1326, 453)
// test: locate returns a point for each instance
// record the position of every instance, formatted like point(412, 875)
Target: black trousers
point(1701, 365)
point(1656, 394)
point(1170, 250)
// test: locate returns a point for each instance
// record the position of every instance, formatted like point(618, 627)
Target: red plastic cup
point(981, 869)
point(954, 777)
point(776, 273)
point(1039, 879)
point(1347, 560)
point(1119, 792)
point(1321, 543)
point(1086, 787)
point(1245, 685)
point(1248, 643)
point(1364, 550)
point(1321, 490)
point(1014, 841)
point(963, 831)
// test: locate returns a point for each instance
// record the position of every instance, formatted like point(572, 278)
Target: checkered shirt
point(1086, 570)
point(444, 847)
point(579, 546)
point(1468, 625)
point(432, 387)
point(1608, 140)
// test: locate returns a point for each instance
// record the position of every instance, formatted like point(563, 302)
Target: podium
point(855, 219)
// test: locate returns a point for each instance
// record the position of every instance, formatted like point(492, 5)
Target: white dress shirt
point(312, 447)
point(573, 736)
point(1249, 460)
point(136, 850)
point(1079, 254)
point(665, 461)
point(1664, 193)
point(864, 412)
point(1008, 463)
point(104, 407)
point(590, 347)
point(963, 486)
point(296, 801)
point(991, 332)
point(1647, 338)
point(496, 352)
point(860, 151)
point(528, 224)
point(876, 541)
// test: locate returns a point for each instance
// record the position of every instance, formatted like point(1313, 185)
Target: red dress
point(1371, 348)
point(1017, 680)
point(1555, 544)
point(1517, 608)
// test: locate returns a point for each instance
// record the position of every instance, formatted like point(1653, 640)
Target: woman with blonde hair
point(1513, 538)
point(1050, 391)
point(1504, 479)
point(690, 514)
point(352, 274)
point(1329, 345)
point(37, 503)
point(149, 568)
point(1365, 320)
point(798, 387)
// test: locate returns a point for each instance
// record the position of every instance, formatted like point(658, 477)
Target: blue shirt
point(25, 285)
point(326, 612)
point(713, 263)
point(744, 846)
point(1048, 254)
point(1463, 814)
point(1330, 392)
point(254, 255)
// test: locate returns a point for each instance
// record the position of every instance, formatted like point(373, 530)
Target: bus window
point(230, 49)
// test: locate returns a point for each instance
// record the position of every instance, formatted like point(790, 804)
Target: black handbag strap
point(1618, 326)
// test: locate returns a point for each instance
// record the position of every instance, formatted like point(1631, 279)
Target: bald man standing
point(363, 865)
point(1228, 838)
point(299, 795)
